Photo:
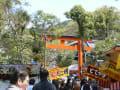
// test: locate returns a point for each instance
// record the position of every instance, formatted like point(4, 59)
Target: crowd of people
point(20, 80)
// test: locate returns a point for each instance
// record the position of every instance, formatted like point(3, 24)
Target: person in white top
point(31, 84)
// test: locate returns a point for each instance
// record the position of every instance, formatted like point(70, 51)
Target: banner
point(118, 63)
point(112, 73)
point(56, 73)
point(53, 73)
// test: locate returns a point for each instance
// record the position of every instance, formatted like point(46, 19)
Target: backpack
point(86, 87)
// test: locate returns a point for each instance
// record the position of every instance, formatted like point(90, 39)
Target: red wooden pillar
point(62, 42)
point(80, 58)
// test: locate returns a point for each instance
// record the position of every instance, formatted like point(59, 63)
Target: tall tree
point(43, 23)
point(6, 7)
point(15, 35)
point(106, 21)
point(15, 21)
point(85, 23)
point(106, 44)
point(84, 20)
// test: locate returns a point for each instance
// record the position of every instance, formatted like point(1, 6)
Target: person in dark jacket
point(94, 85)
point(44, 84)
point(56, 83)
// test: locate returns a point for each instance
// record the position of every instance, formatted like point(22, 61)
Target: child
point(31, 84)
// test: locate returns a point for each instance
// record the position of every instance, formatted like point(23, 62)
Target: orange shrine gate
point(76, 47)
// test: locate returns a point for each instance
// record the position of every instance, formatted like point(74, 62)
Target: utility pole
point(45, 52)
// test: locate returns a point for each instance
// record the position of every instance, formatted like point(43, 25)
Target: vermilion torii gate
point(76, 47)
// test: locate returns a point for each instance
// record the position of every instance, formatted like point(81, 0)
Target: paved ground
point(3, 85)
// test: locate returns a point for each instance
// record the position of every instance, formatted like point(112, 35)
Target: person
point(62, 85)
point(76, 84)
point(41, 67)
point(83, 81)
point(31, 84)
point(86, 86)
point(19, 80)
point(56, 83)
point(68, 85)
point(44, 84)
point(94, 85)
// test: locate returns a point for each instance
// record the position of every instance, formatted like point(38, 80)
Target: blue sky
point(59, 7)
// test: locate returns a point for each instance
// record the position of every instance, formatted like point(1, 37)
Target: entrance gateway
point(76, 47)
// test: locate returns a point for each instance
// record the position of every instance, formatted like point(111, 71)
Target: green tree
point(84, 20)
point(85, 23)
point(104, 45)
point(13, 28)
point(106, 21)
point(6, 7)
point(65, 61)
point(13, 39)
point(43, 23)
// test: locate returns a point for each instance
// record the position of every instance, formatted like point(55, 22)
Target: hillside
point(70, 28)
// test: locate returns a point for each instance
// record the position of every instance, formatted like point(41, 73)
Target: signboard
point(94, 73)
